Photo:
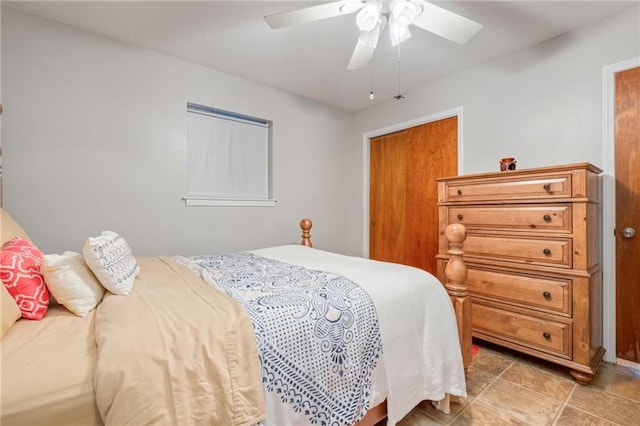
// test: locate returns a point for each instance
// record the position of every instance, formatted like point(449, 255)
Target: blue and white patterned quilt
point(318, 333)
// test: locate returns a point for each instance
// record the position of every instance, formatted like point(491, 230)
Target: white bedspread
point(421, 351)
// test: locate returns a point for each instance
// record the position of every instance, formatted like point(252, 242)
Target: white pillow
point(111, 260)
point(71, 282)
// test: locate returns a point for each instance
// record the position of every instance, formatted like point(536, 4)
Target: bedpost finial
point(456, 233)
point(456, 271)
point(305, 225)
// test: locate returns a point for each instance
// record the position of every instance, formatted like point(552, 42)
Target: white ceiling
point(310, 60)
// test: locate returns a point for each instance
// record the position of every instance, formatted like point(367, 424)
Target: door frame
point(366, 152)
point(609, 199)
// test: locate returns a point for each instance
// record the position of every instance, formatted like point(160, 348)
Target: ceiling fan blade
point(314, 13)
point(361, 56)
point(446, 24)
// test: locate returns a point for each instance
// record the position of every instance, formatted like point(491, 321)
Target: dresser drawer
point(535, 251)
point(509, 188)
point(531, 218)
point(541, 334)
point(541, 293)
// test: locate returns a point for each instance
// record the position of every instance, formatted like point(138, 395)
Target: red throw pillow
point(20, 264)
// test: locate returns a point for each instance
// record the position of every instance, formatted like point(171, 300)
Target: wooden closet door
point(387, 197)
point(627, 214)
point(404, 193)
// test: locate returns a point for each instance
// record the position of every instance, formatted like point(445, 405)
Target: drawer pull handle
point(547, 218)
point(547, 252)
point(546, 335)
point(459, 191)
point(460, 217)
point(546, 295)
point(547, 187)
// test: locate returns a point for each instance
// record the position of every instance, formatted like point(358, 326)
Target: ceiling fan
point(374, 15)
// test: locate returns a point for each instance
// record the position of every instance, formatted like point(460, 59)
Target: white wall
point(94, 138)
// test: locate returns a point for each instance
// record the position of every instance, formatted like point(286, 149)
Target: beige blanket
point(176, 352)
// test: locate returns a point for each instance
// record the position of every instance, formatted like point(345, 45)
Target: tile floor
point(508, 388)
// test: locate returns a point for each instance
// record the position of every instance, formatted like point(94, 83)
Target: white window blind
point(228, 158)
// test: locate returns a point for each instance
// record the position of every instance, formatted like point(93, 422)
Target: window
point(228, 158)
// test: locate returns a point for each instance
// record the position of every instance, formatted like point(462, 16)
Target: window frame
point(212, 200)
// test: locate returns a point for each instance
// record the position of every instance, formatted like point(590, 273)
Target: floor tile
point(573, 417)
point(618, 380)
point(478, 380)
point(548, 366)
point(483, 414)
point(628, 367)
point(508, 388)
point(521, 403)
point(417, 418)
point(427, 408)
point(491, 360)
point(614, 408)
point(539, 380)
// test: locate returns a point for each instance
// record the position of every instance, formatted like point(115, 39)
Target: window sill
point(217, 202)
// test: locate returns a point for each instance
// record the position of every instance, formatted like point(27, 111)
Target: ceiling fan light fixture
point(369, 16)
point(370, 38)
point(398, 33)
point(404, 12)
point(375, 14)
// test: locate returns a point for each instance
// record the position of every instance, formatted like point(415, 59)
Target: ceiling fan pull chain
point(399, 95)
point(371, 95)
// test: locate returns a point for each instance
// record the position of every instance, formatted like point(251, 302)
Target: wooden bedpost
point(456, 275)
point(305, 224)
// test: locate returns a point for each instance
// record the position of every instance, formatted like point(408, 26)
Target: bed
point(221, 340)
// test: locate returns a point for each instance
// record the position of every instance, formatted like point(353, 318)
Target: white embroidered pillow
point(110, 258)
point(71, 282)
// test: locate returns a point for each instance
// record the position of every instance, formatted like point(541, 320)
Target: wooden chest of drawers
point(533, 258)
